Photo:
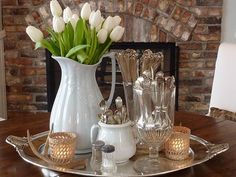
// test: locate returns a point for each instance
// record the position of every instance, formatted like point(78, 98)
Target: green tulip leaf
point(75, 49)
point(61, 45)
point(79, 32)
point(48, 44)
point(53, 34)
point(70, 34)
point(82, 56)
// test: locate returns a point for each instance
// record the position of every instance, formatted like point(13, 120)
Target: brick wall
point(194, 25)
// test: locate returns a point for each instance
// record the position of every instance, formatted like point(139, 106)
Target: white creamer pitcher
point(119, 135)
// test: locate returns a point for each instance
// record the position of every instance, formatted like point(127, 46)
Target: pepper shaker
point(96, 159)
point(108, 166)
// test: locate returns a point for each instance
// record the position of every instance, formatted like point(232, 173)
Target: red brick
point(177, 13)
point(145, 1)
point(185, 2)
point(42, 80)
point(145, 13)
point(28, 71)
point(8, 20)
point(185, 16)
point(40, 71)
point(37, 2)
point(201, 29)
point(162, 36)
point(36, 17)
point(9, 2)
point(163, 5)
point(25, 2)
point(190, 46)
point(153, 3)
point(212, 46)
point(207, 37)
point(19, 98)
point(15, 11)
point(217, 11)
point(138, 9)
point(18, 62)
point(201, 89)
point(14, 89)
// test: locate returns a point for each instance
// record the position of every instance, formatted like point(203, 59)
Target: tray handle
point(17, 142)
point(213, 149)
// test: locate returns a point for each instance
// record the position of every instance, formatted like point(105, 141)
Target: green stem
point(105, 49)
point(62, 50)
point(95, 41)
point(92, 43)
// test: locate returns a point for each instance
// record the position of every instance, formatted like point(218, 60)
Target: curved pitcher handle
point(94, 132)
point(111, 55)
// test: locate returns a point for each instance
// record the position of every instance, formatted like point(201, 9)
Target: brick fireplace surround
point(194, 25)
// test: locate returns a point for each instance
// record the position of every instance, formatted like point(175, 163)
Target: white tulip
point(55, 8)
point(73, 20)
point(95, 19)
point(34, 33)
point(100, 25)
point(108, 24)
point(91, 16)
point(102, 35)
point(85, 11)
point(116, 20)
point(117, 33)
point(67, 14)
point(58, 24)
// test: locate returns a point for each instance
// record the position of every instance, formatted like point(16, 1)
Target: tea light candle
point(177, 146)
point(62, 146)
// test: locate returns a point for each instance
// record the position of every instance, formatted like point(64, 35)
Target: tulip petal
point(55, 8)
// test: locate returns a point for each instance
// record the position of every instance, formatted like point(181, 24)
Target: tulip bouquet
point(84, 39)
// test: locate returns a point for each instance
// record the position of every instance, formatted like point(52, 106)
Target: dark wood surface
point(215, 131)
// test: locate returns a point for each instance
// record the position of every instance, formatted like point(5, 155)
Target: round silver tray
point(201, 151)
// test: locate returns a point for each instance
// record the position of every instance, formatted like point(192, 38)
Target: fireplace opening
point(103, 73)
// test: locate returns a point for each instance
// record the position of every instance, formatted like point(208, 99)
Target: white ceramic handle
point(94, 132)
point(111, 55)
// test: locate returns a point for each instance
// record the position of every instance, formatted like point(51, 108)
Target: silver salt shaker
point(108, 162)
point(96, 159)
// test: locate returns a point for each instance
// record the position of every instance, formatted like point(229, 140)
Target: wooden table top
point(215, 131)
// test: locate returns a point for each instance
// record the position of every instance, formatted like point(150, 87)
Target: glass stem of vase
point(153, 152)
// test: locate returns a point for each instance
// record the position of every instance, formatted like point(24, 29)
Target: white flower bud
point(117, 33)
point(102, 35)
point(35, 34)
point(95, 19)
point(108, 24)
point(58, 24)
point(116, 20)
point(73, 20)
point(85, 11)
point(55, 8)
point(91, 16)
point(100, 25)
point(67, 14)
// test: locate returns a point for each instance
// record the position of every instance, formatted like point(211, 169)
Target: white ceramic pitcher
point(76, 106)
point(120, 135)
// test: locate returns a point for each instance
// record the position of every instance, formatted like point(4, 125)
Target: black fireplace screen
point(103, 73)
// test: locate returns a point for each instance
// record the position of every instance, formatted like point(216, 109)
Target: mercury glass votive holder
point(62, 147)
point(177, 146)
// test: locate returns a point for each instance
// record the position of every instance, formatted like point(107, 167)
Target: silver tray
point(200, 151)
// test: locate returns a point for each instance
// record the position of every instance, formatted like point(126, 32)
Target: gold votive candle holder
point(177, 146)
point(62, 147)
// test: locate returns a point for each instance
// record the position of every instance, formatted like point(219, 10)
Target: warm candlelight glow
point(177, 146)
point(62, 146)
